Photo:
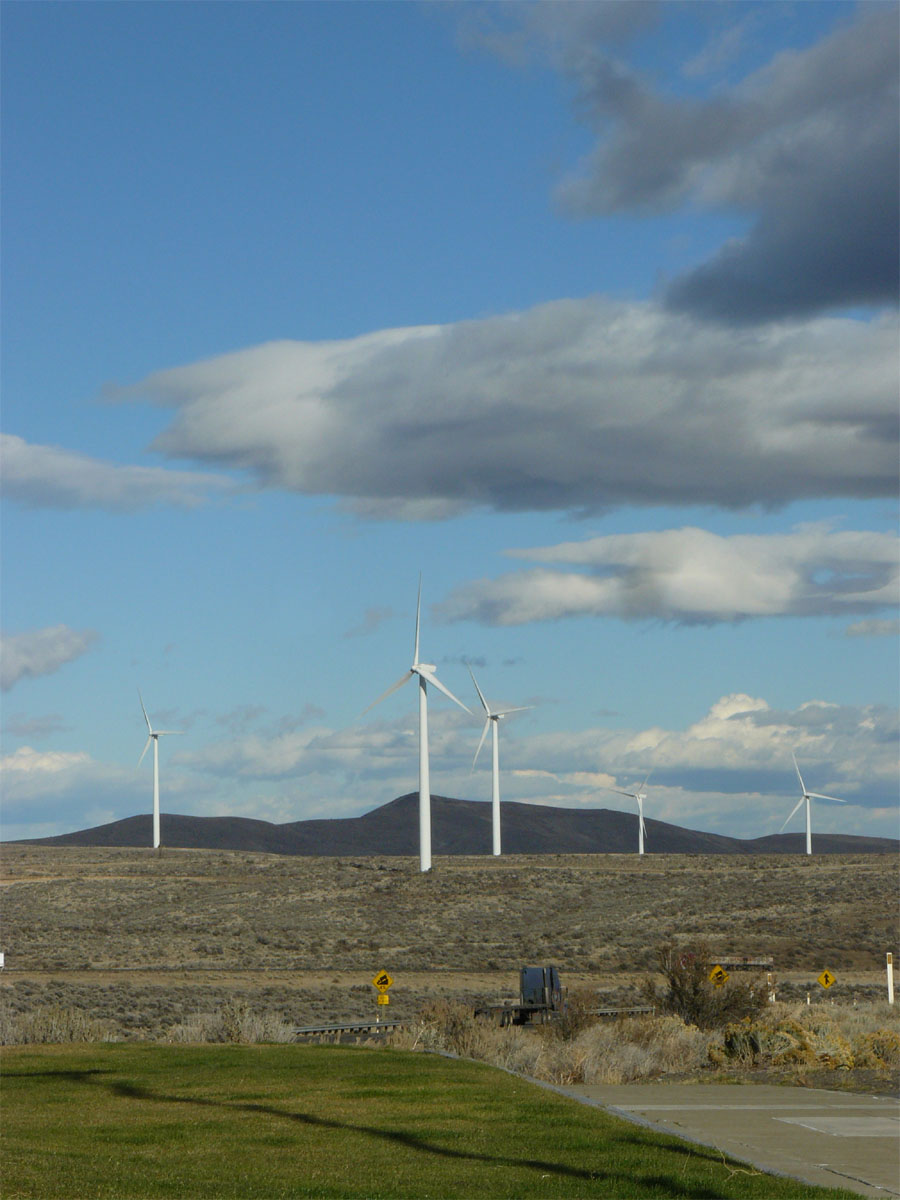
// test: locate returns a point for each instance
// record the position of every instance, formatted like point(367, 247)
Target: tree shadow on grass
point(667, 1185)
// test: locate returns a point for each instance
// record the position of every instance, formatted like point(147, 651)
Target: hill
point(458, 827)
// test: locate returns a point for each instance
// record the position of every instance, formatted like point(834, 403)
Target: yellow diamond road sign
point(382, 981)
point(718, 975)
point(826, 978)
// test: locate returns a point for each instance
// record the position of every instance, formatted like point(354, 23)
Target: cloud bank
point(573, 405)
point(728, 771)
point(691, 576)
point(40, 652)
point(51, 477)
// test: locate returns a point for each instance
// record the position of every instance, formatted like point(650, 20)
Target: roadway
point(836, 1139)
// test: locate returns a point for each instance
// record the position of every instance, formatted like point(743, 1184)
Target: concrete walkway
point(837, 1139)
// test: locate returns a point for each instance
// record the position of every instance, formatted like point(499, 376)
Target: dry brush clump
point(52, 1024)
point(236, 1022)
point(801, 1038)
point(692, 994)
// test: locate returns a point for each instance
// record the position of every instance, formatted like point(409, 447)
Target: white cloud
point(580, 404)
point(29, 763)
point(691, 575)
point(51, 477)
point(40, 652)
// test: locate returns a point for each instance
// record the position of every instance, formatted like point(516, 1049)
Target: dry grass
point(157, 945)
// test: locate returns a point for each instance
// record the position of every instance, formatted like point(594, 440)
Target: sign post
point(382, 982)
point(890, 975)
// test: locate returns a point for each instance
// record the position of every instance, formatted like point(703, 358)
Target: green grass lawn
point(198, 1122)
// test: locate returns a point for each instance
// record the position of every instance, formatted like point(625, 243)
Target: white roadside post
point(890, 977)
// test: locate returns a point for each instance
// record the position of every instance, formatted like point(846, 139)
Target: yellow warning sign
point(718, 975)
point(383, 998)
point(382, 981)
point(826, 978)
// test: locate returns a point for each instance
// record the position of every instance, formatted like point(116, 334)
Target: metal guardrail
point(350, 1027)
point(641, 1010)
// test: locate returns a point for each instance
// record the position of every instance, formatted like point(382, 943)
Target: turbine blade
point(484, 703)
point(484, 731)
point(819, 796)
point(646, 777)
point(144, 711)
point(633, 795)
point(430, 677)
point(506, 711)
point(796, 808)
point(393, 688)
point(418, 609)
point(799, 776)
point(160, 732)
point(144, 751)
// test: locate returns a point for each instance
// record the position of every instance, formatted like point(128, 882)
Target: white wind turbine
point(492, 720)
point(153, 735)
point(805, 799)
point(640, 796)
point(426, 675)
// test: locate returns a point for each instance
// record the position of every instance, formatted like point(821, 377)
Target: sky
point(586, 314)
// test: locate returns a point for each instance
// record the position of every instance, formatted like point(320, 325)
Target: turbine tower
point(640, 796)
point(425, 674)
point(153, 735)
point(492, 719)
point(805, 799)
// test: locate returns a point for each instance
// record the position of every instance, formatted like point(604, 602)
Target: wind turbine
point(805, 799)
point(153, 735)
point(425, 674)
point(640, 796)
point(492, 719)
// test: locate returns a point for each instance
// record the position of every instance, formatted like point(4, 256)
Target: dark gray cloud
point(806, 149)
point(573, 405)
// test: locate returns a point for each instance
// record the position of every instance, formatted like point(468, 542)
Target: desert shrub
point(453, 1027)
point(236, 1021)
point(641, 1048)
point(580, 1013)
point(801, 1037)
point(199, 1028)
point(877, 1050)
point(53, 1024)
point(691, 995)
point(240, 1023)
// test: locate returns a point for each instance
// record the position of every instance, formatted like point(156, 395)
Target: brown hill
point(458, 827)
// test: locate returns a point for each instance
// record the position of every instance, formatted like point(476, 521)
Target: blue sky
point(588, 313)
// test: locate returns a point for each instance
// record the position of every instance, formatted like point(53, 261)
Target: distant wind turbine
point(492, 720)
point(426, 675)
point(805, 799)
point(153, 735)
point(640, 796)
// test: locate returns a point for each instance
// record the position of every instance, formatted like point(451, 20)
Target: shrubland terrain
point(142, 940)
